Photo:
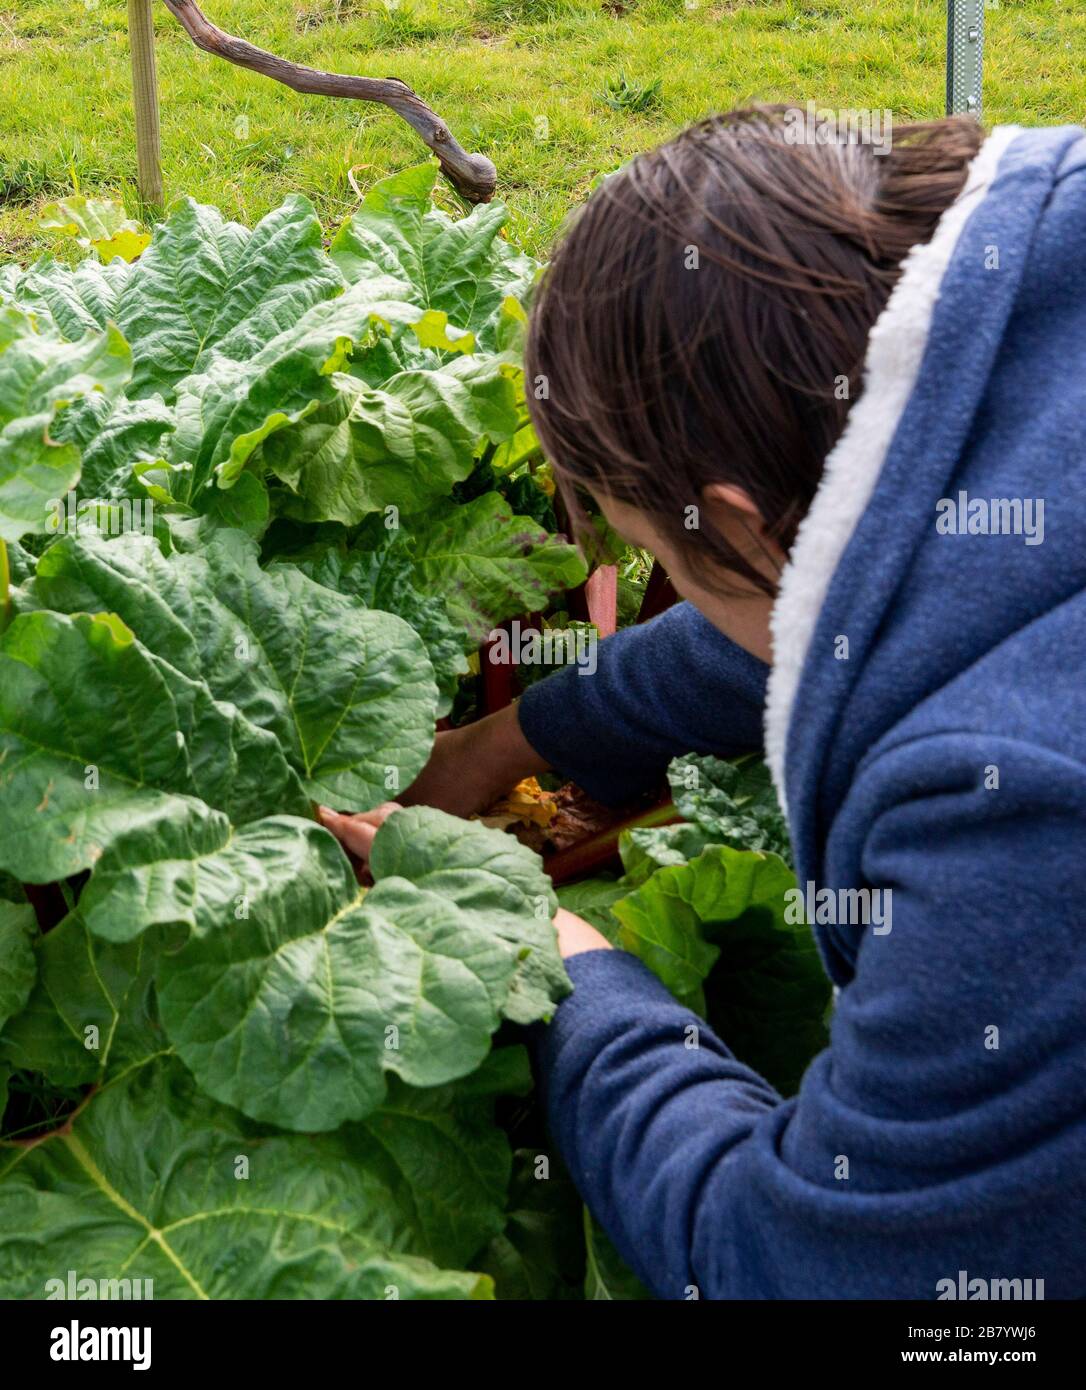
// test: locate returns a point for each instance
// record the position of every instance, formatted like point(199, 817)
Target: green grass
point(523, 81)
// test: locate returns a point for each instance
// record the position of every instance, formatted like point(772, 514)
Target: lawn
point(531, 83)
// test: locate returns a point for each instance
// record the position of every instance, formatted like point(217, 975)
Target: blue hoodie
point(926, 724)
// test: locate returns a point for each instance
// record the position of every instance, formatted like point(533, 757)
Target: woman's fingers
point(356, 833)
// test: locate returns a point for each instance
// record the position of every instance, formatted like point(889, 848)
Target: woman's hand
point(357, 833)
point(472, 766)
point(469, 769)
point(576, 935)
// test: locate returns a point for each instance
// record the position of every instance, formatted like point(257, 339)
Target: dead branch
point(472, 175)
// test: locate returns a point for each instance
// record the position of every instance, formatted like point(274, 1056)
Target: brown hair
point(698, 316)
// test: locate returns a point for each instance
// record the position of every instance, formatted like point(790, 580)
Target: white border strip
point(895, 350)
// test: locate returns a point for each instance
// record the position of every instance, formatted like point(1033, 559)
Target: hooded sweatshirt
point(926, 726)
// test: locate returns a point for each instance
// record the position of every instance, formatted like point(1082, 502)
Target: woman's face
point(741, 613)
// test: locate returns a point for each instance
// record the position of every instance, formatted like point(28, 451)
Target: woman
point(840, 394)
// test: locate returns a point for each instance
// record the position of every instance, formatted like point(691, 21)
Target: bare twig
point(472, 175)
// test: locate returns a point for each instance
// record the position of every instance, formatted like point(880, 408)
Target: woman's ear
point(735, 515)
point(723, 500)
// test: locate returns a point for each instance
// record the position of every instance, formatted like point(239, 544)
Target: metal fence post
point(964, 56)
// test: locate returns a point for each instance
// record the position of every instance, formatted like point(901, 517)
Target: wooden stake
point(141, 33)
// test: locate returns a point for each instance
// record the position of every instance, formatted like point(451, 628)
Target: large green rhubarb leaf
point(724, 913)
point(90, 1012)
point(661, 922)
point(488, 564)
point(65, 301)
point(347, 691)
point(228, 410)
point(95, 731)
point(297, 1006)
point(40, 375)
point(403, 444)
point(152, 1181)
point(151, 874)
point(115, 437)
point(206, 285)
point(461, 267)
point(378, 568)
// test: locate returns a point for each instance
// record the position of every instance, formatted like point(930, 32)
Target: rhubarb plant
point(240, 576)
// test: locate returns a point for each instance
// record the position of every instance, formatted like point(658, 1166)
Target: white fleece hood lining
point(895, 350)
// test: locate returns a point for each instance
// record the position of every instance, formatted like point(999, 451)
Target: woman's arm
point(945, 1127)
point(670, 686)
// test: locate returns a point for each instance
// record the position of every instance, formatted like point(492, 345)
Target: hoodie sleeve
point(669, 686)
point(942, 1130)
